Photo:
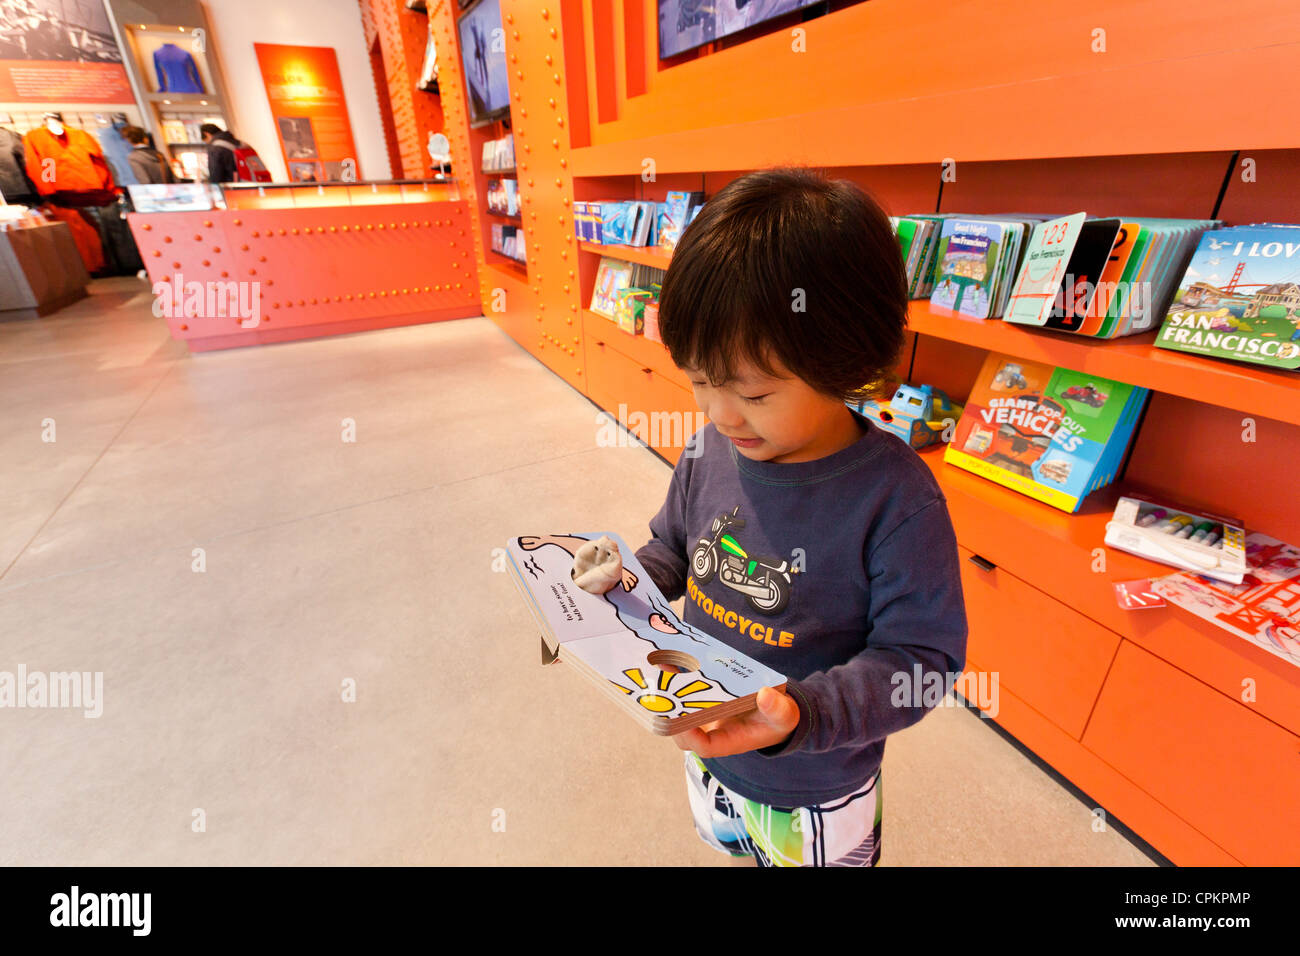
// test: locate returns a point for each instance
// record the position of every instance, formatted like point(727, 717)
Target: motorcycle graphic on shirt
point(765, 581)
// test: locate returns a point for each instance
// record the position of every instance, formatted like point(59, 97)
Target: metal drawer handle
point(983, 564)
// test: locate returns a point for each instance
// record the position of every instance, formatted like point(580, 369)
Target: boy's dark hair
point(134, 134)
point(212, 129)
point(767, 244)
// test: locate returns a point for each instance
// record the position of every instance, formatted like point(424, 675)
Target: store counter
point(299, 261)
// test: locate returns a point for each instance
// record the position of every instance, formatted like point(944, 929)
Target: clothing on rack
point(73, 162)
point(117, 151)
point(15, 185)
point(176, 70)
point(121, 254)
point(84, 235)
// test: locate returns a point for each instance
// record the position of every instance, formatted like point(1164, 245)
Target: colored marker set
point(1204, 544)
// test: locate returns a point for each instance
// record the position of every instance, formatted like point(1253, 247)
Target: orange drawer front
point(638, 348)
point(1231, 774)
point(1052, 658)
point(654, 409)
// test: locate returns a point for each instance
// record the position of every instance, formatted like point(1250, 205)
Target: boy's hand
point(774, 720)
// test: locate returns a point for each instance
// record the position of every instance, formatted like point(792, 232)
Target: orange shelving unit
point(644, 255)
point(979, 107)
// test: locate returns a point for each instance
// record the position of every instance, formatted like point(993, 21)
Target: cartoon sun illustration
point(662, 699)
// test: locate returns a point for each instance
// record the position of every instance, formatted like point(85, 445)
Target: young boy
point(800, 533)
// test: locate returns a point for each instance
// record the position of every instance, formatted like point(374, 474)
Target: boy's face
point(777, 419)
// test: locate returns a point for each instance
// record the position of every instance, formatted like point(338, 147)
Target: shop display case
point(168, 59)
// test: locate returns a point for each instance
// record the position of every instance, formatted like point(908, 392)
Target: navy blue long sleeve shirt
point(874, 596)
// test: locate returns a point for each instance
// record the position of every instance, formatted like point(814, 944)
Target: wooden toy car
point(918, 414)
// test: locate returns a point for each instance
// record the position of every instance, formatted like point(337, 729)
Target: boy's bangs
point(729, 320)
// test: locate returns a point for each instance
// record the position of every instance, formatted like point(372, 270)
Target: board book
point(975, 260)
point(1050, 433)
point(612, 277)
point(677, 214)
point(1240, 298)
point(667, 675)
point(1104, 278)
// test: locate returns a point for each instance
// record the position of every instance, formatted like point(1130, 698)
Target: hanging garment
point(176, 70)
point(15, 186)
point(72, 162)
point(118, 153)
point(121, 255)
point(84, 235)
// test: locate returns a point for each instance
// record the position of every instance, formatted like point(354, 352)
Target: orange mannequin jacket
point(78, 165)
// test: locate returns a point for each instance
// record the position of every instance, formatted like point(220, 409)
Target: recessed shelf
point(644, 255)
point(1254, 389)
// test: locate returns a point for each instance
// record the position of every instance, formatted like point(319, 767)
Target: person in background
point(149, 165)
point(221, 161)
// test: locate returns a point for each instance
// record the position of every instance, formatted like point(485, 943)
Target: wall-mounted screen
point(483, 57)
point(686, 24)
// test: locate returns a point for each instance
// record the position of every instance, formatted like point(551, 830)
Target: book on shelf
point(1239, 297)
point(1053, 434)
point(678, 209)
point(629, 311)
point(620, 222)
point(174, 131)
point(612, 276)
point(975, 262)
point(916, 239)
point(1102, 277)
point(587, 221)
point(503, 197)
point(508, 241)
point(499, 154)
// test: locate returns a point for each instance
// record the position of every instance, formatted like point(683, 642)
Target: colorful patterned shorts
point(840, 832)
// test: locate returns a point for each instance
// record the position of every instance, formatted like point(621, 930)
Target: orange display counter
point(294, 262)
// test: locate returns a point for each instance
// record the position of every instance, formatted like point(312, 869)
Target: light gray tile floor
point(367, 562)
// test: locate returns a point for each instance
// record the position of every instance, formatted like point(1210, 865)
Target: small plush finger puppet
point(597, 566)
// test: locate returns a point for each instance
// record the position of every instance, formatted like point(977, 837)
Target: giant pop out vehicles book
point(664, 673)
point(1050, 433)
